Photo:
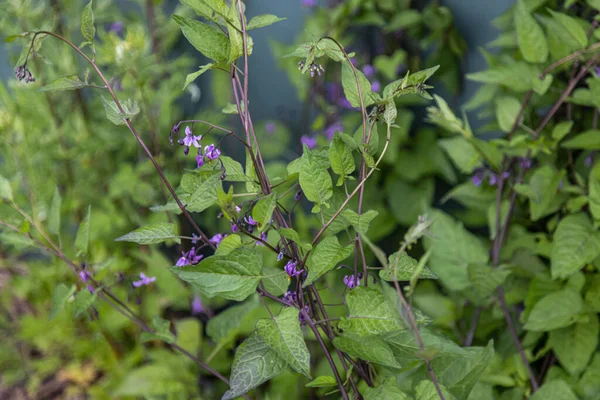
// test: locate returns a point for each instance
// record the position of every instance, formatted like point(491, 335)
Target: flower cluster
point(189, 258)
point(481, 173)
point(23, 73)
point(291, 270)
point(210, 152)
point(313, 68)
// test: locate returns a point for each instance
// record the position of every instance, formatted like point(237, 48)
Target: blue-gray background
point(270, 88)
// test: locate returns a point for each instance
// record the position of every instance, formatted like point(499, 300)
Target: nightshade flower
point(368, 70)
point(234, 227)
point(238, 209)
point(117, 27)
point(84, 276)
point(525, 163)
point(477, 177)
point(589, 160)
point(195, 238)
point(199, 160)
point(298, 195)
point(189, 258)
point(211, 152)
point(331, 129)
point(190, 140)
point(90, 288)
point(197, 306)
point(217, 239)
point(23, 73)
point(309, 141)
point(264, 237)
point(280, 256)
point(290, 297)
point(144, 280)
point(597, 71)
point(352, 281)
point(290, 269)
point(250, 221)
point(376, 86)
point(495, 178)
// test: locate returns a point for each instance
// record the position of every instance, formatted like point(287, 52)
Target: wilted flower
point(217, 239)
point(290, 297)
point(368, 70)
point(290, 269)
point(309, 141)
point(352, 281)
point(144, 280)
point(23, 73)
point(197, 306)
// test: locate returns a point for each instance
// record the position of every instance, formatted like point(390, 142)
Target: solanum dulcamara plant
point(318, 307)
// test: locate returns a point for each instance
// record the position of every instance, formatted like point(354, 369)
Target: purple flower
point(189, 140)
point(333, 92)
point(84, 276)
point(352, 281)
point(376, 86)
point(144, 280)
point(217, 239)
point(309, 141)
point(597, 71)
point(234, 227)
point(250, 221)
point(280, 256)
point(264, 237)
point(90, 288)
point(495, 178)
point(290, 269)
point(477, 177)
point(309, 3)
point(369, 70)
point(189, 258)
point(525, 163)
point(195, 238)
point(197, 306)
point(238, 209)
point(353, 61)
point(270, 127)
point(290, 297)
point(117, 27)
point(331, 129)
point(589, 160)
point(297, 195)
point(212, 152)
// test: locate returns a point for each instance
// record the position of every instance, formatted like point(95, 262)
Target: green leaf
point(229, 244)
point(162, 331)
point(292, 235)
point(283, 335)
point(572, 26)
point(88, 30)
point(349, 83)
point(60, 295)
point(542, 191)
point(541, 86)
point(54, 213)
point(233, 169)
point(202, 187)
point(556, 310)
point(507, 110)
point(401, 267)
point(462, 153)
point(530, 36)
point(360, 222)
point(315, 180)
point(588, 140)
point(369, 313)
point(192, 77)
point(486, 279)
point(453, 249)
point(554, 390)
point(322, 381)
point(189, 334)
point(516, 75)
point(275, 280)
point(340, 155)
point(263, 210)
point(594, 191)
point(426, 390)
point(408, 201)
point(387, 390)
point(368, 348)
point(263, 20)
point(151, 234)
point(254, 363)
point(576, 243)
point(114, 115)
point(575, 345)
point(83, 300)
point(234, 276)
point(208, 40)
point(71, 82)
point(231, 108)
point(83, 234)
point(6, 192)
point(326, 255)
point(561, 130)
point(150, 381)
point(224, 327)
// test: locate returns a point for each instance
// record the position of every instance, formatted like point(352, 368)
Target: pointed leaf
point(83, 234)
point(530, 36)
point(326, 255)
